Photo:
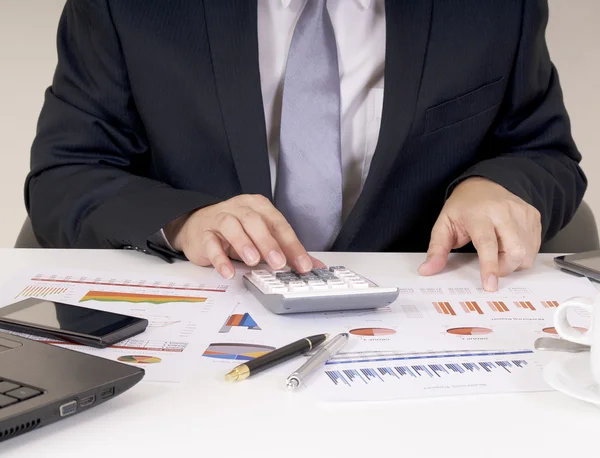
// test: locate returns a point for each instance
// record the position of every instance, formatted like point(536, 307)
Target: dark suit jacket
point(156, 109)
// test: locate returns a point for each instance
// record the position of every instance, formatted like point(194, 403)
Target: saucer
point(573, 377)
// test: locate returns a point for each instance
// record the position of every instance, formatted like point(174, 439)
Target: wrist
point(174, 231)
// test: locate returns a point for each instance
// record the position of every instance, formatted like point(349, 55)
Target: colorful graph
point(116, 296)
point(243, 320)
point(444, 308)
point(524, 305)
point(372, 332)
point(127, 283)
point(552, 330)
point(138, 359)
point(550, 304)
point(498, 306)
point(236, 351)
point(471, 306)
point(470, 331)
point(392, 374)
point(41, 291)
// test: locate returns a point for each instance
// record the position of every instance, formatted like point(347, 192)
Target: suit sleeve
point(86, 187)
point(530, 150)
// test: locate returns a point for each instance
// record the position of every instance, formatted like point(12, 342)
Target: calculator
point(320, 290)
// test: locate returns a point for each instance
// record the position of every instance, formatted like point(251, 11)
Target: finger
point(441, 242)
point(317, 264)
point(483, 235)
point(533, 237)
point(254, 225)
point(296, 255)
point(511, 247)
point(231, 229)
point(212, 247)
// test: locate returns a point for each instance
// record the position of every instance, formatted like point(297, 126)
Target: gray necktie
point(309, 174)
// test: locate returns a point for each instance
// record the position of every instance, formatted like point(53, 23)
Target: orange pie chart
point(469, 331)
point(372, 332)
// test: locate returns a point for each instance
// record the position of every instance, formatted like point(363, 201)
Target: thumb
point(442, 241)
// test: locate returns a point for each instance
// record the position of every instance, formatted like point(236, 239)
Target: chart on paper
point(398, 375)
point(445, 338)
point(177, 311)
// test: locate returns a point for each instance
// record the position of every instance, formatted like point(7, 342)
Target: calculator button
point(336, 268)
point(338, 286)
point(296, 283)
point(297, 288)
point(277, 289)
point(261, 273)
point(283, 270)
point(359, 285)
point(318, 287)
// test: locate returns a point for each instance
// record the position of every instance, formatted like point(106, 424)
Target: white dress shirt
point(359, 27)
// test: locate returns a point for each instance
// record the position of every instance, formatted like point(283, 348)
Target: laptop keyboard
point(12, 392)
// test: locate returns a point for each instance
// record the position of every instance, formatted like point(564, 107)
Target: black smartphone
point(76, 324)
point(585, 264)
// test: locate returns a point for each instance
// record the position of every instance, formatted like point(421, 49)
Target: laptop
point(41, 383)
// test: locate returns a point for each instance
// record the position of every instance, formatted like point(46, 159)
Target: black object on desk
point(252, 367)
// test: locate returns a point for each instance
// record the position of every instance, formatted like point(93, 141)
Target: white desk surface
point(204, 418)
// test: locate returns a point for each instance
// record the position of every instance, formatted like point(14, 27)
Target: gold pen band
point(239, 373)
point(309, 343)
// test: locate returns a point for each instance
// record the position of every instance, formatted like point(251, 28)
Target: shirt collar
point(364, 3)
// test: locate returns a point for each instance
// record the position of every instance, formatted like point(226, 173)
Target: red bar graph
point(525, 305)
point(550, 304)
point(444, 308)
point(471, 307)
point(498, 306)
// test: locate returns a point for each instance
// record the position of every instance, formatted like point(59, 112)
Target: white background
point(28, 58)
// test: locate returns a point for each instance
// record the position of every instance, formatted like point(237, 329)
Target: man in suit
point(258, 130)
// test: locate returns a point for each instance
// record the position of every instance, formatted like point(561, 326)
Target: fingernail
point(491, 283)
point(276, 260)
point(226, 272)
point(424, 263)
point(304, 263)
point(251, 255)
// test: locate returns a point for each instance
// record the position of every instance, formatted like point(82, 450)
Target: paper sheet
point(179, 311)
point(438, 338)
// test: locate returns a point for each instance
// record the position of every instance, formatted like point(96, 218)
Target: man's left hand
point(505, 230)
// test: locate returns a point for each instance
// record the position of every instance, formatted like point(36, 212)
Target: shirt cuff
point(160, 239)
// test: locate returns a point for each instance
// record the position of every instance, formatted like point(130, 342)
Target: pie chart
point(469, 331)
point(372, 332)
point(553, 330)
point(139, 359)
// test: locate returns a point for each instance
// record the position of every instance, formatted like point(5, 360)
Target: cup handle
point(562, 326)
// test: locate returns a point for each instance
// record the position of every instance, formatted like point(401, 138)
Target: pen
point(318, 359)
point(252, 367)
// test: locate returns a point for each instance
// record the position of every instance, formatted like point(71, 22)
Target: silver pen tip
point(292, 384)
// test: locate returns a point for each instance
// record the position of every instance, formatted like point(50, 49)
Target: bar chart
point(387, 374)
point(444, 308)
point(471, 307)
point(498, 306)
point(526, 305)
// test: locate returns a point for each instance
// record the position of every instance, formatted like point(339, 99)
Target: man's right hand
point(246, 228)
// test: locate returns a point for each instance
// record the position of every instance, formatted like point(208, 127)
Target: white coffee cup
point(591, 337)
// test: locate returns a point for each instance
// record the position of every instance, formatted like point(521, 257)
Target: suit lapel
point(407, 32)
point(233, 39)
